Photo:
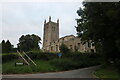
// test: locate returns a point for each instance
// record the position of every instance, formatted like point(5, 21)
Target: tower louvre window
point(53, 28)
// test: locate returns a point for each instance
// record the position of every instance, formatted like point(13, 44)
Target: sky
point(22, 18)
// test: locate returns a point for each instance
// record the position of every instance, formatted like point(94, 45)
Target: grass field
point(107, 72)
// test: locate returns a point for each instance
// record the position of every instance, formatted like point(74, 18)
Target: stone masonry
point(52, 42)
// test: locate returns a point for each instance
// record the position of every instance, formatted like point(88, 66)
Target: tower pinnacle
point(49, 18)
point(57, 20)
point(45, 22)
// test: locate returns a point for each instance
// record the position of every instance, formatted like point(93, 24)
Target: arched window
point(53, 28)
point(70, 46)
point(56, 47)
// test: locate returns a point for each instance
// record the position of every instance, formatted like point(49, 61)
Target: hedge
point(9, 57)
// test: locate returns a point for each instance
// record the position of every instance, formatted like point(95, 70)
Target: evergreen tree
point(3, 46)
point(8, 46)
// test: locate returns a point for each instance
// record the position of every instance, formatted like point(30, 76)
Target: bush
point(47, 62)
point(34, 55)
point(64, 49)
point(73, 61)
point(41, 55)
point(9, 57)
point(63, 64)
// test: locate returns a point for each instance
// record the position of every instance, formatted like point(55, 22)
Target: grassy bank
point(108, 72)
point(48, 62)
point(42, 66)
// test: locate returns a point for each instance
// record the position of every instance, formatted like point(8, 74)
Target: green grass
point(107, 72)
point(9, 54)
point(48, 63)
point(0, 68)
point(42, 66)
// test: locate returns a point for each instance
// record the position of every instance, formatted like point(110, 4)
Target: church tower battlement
point(51, 32)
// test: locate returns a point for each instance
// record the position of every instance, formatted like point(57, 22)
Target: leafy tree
point(64, 49)
point(100, 22)
point(28, 42)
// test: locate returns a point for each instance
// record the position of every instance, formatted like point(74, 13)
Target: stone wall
point(52, 42)
point(72, 42)
point(51, 33)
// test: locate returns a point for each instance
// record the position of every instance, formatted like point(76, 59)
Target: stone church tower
point(51, 33)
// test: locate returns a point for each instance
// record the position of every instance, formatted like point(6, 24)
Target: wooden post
point(30, 58)
point(23, 58)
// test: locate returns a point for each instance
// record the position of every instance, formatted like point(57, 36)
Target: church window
point(70, 46)
point(75, 47)
point(51, 48)
point(89, 44)
point(93, 44)
point(78, 44)
point(56, 47)
point(53, 28)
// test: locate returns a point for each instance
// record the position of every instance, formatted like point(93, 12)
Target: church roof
point(67, 36)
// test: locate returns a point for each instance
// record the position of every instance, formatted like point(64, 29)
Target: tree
point(99, 22)
point(3, 46)
point(0, 48)
point(64, 49)
point(28, 42)
point(8, 46)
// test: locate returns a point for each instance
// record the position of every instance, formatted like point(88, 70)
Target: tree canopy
point(28, 42)
point(64, 49)
point(100, 22)
point(6, 46)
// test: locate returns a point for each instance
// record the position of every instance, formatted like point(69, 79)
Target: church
point(52, 42)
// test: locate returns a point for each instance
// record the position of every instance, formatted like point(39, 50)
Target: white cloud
point(0, 21)
point(27, 18)
point(41, 0)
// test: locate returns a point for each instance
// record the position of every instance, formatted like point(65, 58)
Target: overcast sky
point(21, 18)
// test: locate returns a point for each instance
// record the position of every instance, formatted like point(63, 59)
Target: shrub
point(63, 64)
point(9, 57)
point(64, 49)
point(41, 55)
